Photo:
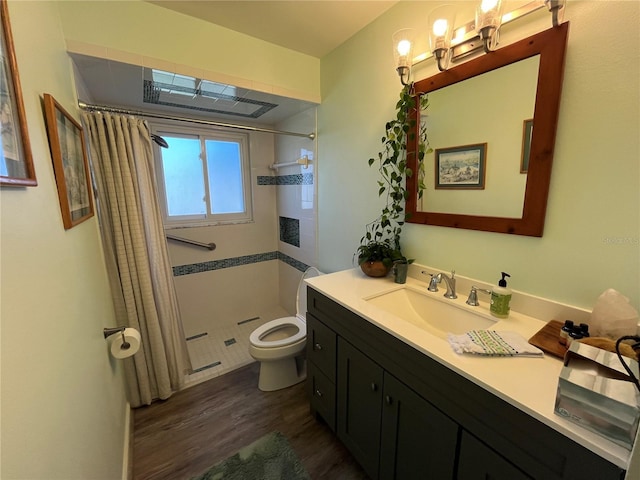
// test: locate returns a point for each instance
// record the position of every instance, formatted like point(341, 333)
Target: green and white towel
point(494, 344)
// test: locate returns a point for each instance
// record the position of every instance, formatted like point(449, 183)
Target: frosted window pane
point(183, 177)
point(225, 177)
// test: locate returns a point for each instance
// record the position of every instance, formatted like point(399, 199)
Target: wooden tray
point(547, 339)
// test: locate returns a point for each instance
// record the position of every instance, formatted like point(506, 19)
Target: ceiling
point(311, 27)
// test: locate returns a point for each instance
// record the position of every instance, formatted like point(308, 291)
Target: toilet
point(279, 344)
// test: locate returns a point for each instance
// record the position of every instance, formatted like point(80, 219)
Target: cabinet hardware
point(317, 346)
point(389, 400)
point(318, 392)
point(374, 387)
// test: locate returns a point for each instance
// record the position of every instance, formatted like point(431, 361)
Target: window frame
point(169, 129)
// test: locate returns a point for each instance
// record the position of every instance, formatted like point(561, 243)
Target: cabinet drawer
point(321, 347)
point(322, 393)
point(479, 462)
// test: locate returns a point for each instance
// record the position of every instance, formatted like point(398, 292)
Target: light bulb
point(440, 27)
point(487, 5)
point(404, 47)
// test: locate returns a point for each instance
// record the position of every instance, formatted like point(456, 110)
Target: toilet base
point(279, 374)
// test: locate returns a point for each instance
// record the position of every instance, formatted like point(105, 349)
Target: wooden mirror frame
point(551, 46)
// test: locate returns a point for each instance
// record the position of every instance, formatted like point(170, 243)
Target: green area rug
point(268, 458)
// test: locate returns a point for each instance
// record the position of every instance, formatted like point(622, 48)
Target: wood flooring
point(199, 427)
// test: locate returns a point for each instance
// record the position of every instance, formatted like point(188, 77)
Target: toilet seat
point(258, 333)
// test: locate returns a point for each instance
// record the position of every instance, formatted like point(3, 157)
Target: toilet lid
point(269, 327)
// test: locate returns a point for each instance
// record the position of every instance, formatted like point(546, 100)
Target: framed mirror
point(517, 129)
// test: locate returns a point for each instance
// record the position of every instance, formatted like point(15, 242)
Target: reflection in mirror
point(457, 116)
point(474, 114)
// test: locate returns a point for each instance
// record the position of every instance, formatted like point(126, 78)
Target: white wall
point(591, 240)
point(63, 402)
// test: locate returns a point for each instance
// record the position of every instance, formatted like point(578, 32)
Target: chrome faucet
point(451, 283)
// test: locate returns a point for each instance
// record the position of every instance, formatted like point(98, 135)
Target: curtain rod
point(105, 108)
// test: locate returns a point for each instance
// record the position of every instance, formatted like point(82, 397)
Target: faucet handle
point(473, 296)
point(433, 283)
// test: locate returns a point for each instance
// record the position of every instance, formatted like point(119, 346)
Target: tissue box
point(595, 391)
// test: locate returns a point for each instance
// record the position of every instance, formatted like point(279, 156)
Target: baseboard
point(127, 454)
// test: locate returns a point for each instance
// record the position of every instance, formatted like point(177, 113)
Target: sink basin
point(428, 311)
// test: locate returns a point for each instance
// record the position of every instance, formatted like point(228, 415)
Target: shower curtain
point(136, 254)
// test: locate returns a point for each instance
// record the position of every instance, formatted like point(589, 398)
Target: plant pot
point(375, 269)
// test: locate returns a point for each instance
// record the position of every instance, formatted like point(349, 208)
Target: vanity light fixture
point(488, 21)
point(556, 7)
point(448, 43)
point(403, 41)
point(441, 26)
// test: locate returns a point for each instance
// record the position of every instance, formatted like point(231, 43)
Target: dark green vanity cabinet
point(391, 431)
point(403, 415)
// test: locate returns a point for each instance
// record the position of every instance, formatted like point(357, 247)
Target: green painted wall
point(64, 411)
point(592, 234)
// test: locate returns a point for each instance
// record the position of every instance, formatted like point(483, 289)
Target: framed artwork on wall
point(527, 133)
point(70, 164)
point(16, 161)
point(461, 167)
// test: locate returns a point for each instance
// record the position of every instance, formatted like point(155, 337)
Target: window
point(203, 177)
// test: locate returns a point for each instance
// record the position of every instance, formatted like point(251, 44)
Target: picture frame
point(16, 160)
point(70, 164)
point(461, 168)
point(527, 134)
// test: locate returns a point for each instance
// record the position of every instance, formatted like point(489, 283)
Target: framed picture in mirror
point(527, 132)
point(16, 162)
point(461, 167)
point(70, 164)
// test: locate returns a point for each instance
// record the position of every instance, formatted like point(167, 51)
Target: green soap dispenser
point(500, 298)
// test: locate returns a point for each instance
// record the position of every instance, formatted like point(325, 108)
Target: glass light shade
point(488, 14)
point(441, 27)
point(403, 42)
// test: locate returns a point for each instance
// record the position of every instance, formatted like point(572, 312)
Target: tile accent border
point(236, 262)
point(296, 179)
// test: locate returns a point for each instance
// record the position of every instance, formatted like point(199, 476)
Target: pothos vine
point(382, 237)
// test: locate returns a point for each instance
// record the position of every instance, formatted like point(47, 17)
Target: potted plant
point(380, 246)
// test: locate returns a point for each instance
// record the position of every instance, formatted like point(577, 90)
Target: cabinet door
point(479, 462)
point(321, 346)
point(418, 441)
point(322, 394)
point(359, 396)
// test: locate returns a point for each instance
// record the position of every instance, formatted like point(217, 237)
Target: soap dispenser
point(500, 298)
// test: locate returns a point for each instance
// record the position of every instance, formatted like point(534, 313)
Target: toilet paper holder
point(112, 331)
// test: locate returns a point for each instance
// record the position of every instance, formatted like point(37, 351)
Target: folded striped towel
point(492, 343)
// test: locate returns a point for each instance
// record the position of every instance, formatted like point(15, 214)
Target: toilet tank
point(301, 298)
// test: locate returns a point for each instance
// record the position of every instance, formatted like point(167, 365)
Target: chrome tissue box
point(595, 391)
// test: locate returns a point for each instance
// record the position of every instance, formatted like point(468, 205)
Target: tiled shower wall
point(296, 203)
point(252, 275)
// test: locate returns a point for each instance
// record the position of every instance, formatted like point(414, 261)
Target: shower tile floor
point(224, 349)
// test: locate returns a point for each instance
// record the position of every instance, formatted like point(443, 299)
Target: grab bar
point(208, 246)
point(304, 161)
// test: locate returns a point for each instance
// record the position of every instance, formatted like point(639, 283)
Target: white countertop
point(527, 383)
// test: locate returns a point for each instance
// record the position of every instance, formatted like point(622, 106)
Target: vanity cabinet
point(391, 431)
point(404, 415)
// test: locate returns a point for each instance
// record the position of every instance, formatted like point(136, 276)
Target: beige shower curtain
point(136, 254)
